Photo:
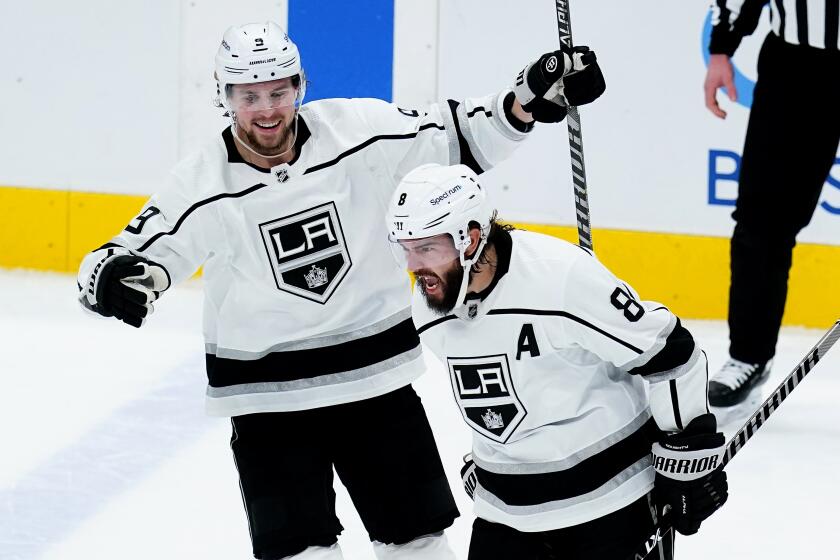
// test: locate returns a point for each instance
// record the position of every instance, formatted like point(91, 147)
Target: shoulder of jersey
point(359, 114)
point(329, 109)
point(201, 173)
point(539, 270)
point(532, 248)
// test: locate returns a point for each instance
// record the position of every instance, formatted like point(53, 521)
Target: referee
point(790, 147)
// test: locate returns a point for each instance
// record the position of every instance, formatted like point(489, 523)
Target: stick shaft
point(784, 389)
point(564, 31)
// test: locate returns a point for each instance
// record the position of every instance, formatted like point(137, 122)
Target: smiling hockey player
point(566, 377)
point(310, 347)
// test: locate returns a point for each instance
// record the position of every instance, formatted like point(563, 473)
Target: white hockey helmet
point(434, 200)
point(254, 53)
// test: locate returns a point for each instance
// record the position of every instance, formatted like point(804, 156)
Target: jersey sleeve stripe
point(675, 402)
point(463, 120)
point(467, 157)
point(109, 246)
point(678, 351)
point(195, 207)
point(479, 109)
point(368, 142)
point(678, 371)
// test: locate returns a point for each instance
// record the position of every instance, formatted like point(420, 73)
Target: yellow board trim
point(52, 230)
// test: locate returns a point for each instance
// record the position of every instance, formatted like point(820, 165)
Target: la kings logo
point(485, 393)
point(307, 252)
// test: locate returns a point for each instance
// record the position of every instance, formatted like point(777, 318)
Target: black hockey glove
point(690, 480)
point(124, 286)
point(468, 476)
point(547, 87)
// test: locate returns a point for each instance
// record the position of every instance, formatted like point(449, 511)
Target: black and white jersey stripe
point(310, 363)
point(600, 468)
point(814, 23)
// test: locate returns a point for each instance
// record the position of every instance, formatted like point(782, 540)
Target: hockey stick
point(755, 422)
point(564, 30)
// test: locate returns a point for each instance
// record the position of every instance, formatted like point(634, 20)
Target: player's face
point(436, 264)
point(264, 114)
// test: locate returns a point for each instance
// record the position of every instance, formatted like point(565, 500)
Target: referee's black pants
point(790, 147)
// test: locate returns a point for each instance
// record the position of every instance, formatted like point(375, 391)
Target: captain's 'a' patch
point(307, 252)
point(485, 393)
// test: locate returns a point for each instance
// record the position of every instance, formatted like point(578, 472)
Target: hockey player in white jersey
point(566, 377)
point(310, 346)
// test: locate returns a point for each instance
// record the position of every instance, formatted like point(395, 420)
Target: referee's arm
point(731, 22)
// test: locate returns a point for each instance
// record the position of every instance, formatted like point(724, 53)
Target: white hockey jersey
point(304, 305)
point(563, 374)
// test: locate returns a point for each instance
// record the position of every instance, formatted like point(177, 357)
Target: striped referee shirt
point(799, 22)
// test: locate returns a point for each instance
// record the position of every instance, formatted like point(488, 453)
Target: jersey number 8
point(633, 311)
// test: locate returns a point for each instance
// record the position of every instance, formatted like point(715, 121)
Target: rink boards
point(661, 170)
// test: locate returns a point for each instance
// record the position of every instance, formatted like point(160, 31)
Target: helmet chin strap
point(245, 145)
point(465, 280)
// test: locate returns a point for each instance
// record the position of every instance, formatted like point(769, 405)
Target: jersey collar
point(233, 155)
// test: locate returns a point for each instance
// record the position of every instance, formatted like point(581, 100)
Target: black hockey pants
point(616, 536)
point(790, 147)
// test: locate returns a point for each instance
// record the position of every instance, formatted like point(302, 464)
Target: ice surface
point(108, 454)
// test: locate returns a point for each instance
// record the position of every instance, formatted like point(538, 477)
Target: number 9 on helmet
point(255, 53)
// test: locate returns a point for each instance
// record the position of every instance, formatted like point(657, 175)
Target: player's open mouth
point(268, 125)
point(430, 283)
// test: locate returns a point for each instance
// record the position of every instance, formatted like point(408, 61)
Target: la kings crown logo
point(307, 252)
point(485, 393)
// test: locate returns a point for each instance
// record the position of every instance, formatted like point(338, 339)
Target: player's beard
point(274, 148)
point(449, 286)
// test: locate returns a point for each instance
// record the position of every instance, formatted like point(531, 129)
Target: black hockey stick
point(564, 30)
point(756, 421)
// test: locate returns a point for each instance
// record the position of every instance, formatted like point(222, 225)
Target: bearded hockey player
point(310, 346)
point(565, 376)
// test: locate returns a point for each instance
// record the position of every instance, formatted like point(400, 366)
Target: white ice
point(107, 452)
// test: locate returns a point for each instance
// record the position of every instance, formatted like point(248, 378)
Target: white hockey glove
point(690, 480)
point(557, 80)
point(124, 286)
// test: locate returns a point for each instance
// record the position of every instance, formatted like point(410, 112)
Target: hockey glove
point(547, 87)
point(690, 480)
point(124, 286)
point(468, 476)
